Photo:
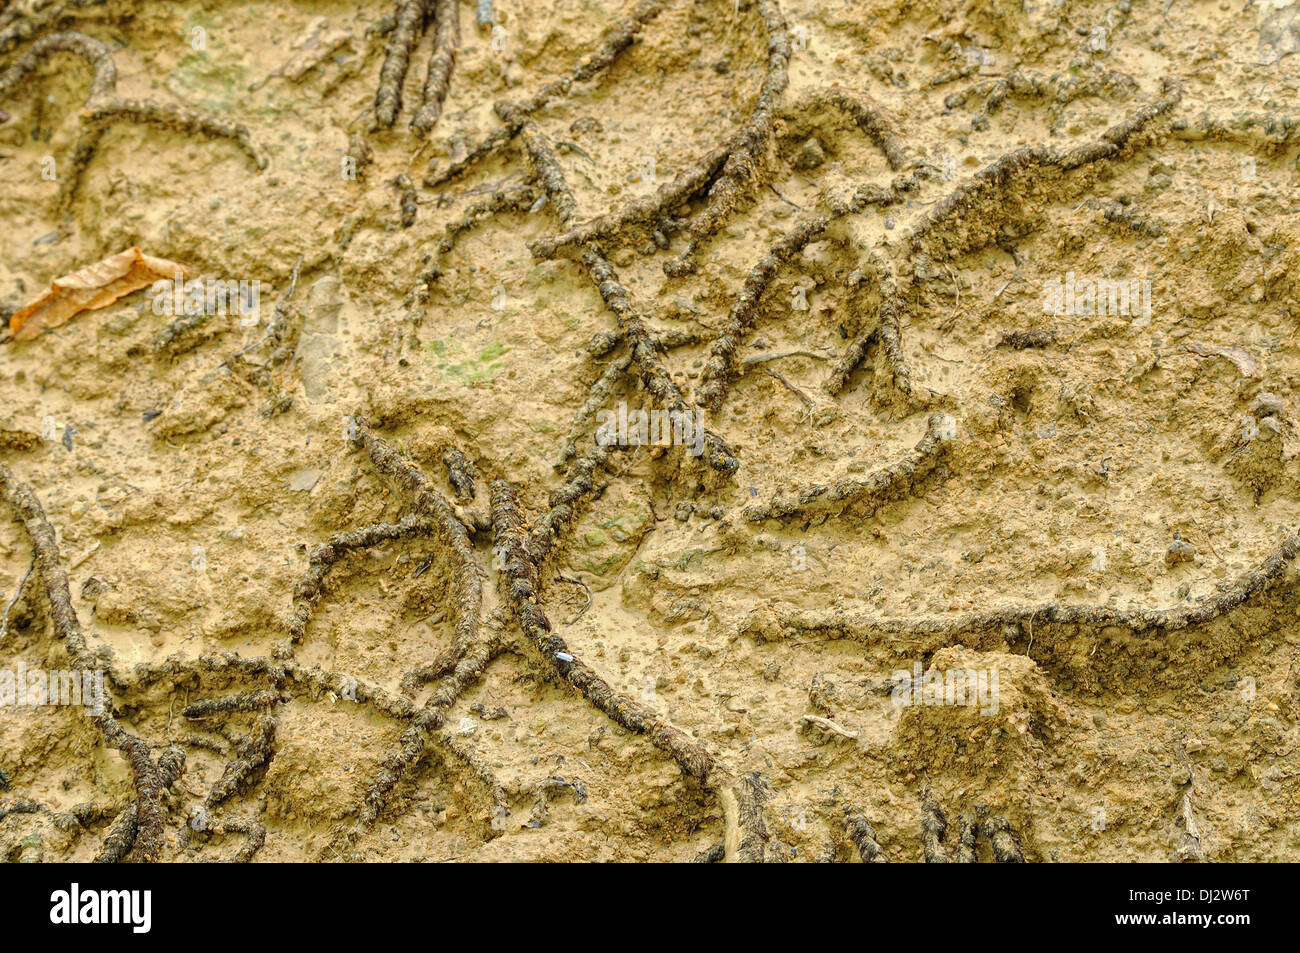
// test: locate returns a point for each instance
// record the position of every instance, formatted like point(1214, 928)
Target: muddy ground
point(1092, 505)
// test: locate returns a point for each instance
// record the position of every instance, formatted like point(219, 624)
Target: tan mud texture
point(761, 430)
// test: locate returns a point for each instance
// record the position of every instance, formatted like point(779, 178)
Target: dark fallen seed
point(1034, 337)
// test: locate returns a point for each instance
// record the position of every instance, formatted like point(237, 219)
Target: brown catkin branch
point(292, 677)
point(414, 740)
point(619, 38)
point(407, 201)
point(721, 365)
point(892, 306)
point(446, 39)
point(564, 501)
point(1006, 847)
point(863, 836)
point(520, 584)
point(285, 675)
point(175, 117)
point(632, 327)
point(697, 176)
point(471, 654)
point(523, 556)
point(865, 627)
point(712, 855)
point(22, 21)
point(278, 334)
point(1058, 89)
point(310, 586)
point(550, 175)
point(461, 472)
point(645, 355)
point(987, 185)
point(442, 665)
point(397, 59)
point(966, 834)
point(516, 197)
point(934, 828)
point(122, 835)
point(1268, 132)
point(1028, 338)
point(490, 145)
point(459, 757)
point(19, 25)
point(869, 492)
point(985, 188)
point(251, 754)
point(596, 397)
point(668, 196)
point(746, 830)
point(148, 782)
point(97, 117)
point(743, 168)
point(431, 506)
point(256, 837)
point(97, 54)
point(848, 362)
point(870, 117)
point(894, 381)
point(244, 701)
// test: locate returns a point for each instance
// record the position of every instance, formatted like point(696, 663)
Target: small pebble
point(809, 155)
point(1268, 405)
point(1179, 551)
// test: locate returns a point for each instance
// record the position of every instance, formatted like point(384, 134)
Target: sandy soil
point(1092, 506)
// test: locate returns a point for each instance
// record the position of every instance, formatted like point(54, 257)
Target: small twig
point(90, 551)
point(276, 314)
point(808, 401)
point(783, 198)
point(760, 358)
point(827, 725)
point(4, 623)
point(574, 147)
point(590, 597)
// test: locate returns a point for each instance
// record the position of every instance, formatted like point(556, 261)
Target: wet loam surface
point(1080, 498)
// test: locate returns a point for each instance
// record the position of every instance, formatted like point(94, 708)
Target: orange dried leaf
point(94, 286)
